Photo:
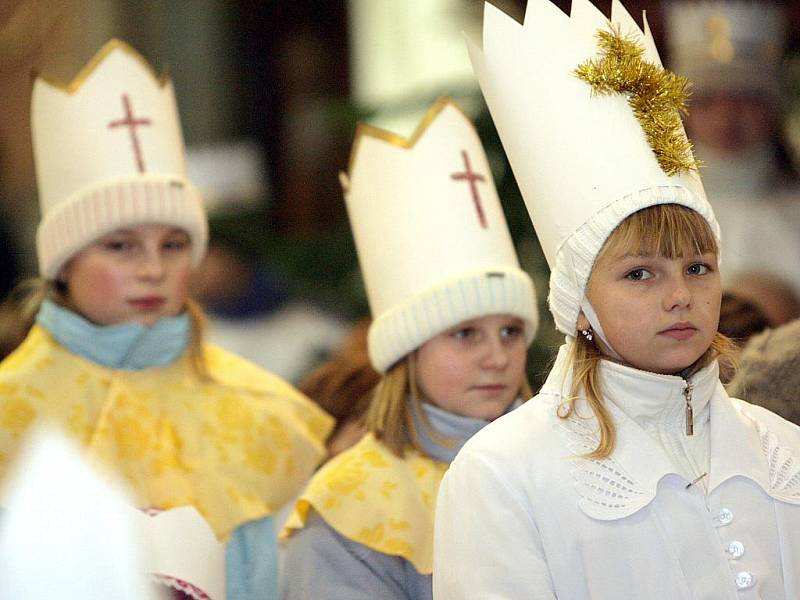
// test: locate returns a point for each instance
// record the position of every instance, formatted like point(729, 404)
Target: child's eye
point(698, 269)
point(511, 331)
point(463, 334)
point(117, 245)
point(176, 244)
point(639, 275)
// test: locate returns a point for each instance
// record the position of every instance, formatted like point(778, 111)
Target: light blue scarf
point(129, 346)
point(455, 429)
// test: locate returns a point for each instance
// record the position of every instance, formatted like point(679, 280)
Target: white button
point(736, 549)
point(724, 516)
point(744, 580)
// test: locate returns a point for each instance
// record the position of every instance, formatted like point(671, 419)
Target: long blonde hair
point(668, 230)
point(18, 314)
point(390, 417)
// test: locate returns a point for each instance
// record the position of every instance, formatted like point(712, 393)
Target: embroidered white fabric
point(606, 490)
point(784, 468)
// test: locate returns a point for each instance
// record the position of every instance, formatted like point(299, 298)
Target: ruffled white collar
point(625, 482)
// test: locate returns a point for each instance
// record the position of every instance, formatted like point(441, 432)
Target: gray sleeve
point(322, 564)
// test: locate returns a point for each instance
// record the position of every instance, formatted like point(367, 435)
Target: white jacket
point(519, 515)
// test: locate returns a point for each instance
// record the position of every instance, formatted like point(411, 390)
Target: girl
point(632, 474)
point(453, 317)
point(116, 356)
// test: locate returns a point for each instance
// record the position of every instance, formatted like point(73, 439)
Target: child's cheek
point(109, 292)
point(182, 281)
point(109, 283)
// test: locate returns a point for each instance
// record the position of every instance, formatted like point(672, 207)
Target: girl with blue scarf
point(453, 316)
point(116, 356)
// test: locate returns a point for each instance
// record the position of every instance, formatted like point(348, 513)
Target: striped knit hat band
point(408, 325)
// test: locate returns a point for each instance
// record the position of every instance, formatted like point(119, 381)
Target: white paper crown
point(727, 45)
point(71, 531)
point(431, 237)
point(582, 160)
point(109, 153)
point(68, 530)
point(184, 552)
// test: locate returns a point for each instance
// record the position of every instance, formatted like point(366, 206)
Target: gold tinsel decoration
point(657, 97)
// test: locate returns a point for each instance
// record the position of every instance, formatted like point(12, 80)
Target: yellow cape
point(372, 497)
point(237, 446)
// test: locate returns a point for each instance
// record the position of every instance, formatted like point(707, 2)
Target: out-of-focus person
point(769, 371)
point(731, 51)
point(739, 320)
point(116, 358)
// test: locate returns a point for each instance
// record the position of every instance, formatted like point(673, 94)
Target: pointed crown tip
point(366, 130)
point(112, 46)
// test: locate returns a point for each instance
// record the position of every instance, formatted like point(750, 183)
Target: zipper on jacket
point(687, 394)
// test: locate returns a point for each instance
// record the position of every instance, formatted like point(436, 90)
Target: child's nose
point(497, 354)
point(680, 296)
point(151, 265)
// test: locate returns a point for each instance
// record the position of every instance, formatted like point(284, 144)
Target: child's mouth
point(680, 331)
point(147, 303)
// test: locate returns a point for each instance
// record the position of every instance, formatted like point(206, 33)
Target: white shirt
point(521, 515)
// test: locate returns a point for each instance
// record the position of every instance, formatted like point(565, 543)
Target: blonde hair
point(390, 417)
point(18, 315)
point(667, 230)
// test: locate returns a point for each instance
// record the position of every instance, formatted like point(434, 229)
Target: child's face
point(474, 369)
point(133, 275)
point(659, 314)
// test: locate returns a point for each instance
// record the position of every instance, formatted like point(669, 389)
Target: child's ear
point(583, 322)
point(63, 274)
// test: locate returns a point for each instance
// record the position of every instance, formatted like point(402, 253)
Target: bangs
point(668, 230)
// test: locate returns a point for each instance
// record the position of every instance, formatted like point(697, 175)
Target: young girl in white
point(453, 316)
point(116, 356)
point(632, 474)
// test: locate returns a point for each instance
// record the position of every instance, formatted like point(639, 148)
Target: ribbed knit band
point(408, 325)
point(575, 258)
point(95, 211)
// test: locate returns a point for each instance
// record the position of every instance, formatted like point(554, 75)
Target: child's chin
point(673, 368)
point(147, 321)
point(493, 411)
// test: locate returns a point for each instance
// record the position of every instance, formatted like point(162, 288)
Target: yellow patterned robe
point(237, 447)
point(372, 497)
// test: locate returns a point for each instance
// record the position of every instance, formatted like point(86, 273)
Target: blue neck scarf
point(129, 346)
point(456, 430)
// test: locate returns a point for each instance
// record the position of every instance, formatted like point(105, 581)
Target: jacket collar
point(745, 446)
point(620, 485)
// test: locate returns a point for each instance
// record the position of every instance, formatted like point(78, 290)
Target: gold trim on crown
point(364, 129)
point(110, 46)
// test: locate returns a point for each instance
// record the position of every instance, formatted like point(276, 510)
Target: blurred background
point(269, 94)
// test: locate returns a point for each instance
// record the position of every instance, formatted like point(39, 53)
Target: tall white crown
point(430, 233)
point(582, 161)
point(727, 46)
point(69, 530)
point(98, 545)
point(109, 142)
